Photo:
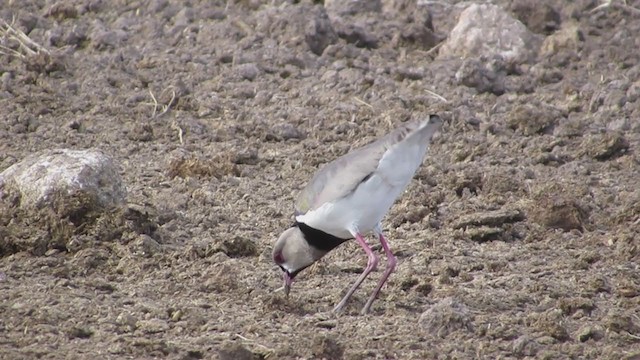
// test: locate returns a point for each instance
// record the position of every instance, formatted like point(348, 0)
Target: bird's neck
point(318, 238)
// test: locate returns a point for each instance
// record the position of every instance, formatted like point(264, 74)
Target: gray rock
point(53, 199)
point(487, 30)
point(67, 173)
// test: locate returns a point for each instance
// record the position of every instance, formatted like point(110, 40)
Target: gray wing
point(340, 177)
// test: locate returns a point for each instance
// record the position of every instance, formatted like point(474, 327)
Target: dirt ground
point(518, 238)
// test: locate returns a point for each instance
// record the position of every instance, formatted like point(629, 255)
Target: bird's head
point(293, 254)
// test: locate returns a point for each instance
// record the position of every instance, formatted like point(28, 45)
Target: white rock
point(487, 30)
point(64, 172)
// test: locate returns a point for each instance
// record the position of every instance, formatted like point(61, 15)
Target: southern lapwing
point(348, 198)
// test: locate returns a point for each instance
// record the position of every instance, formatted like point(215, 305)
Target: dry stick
point(25, 42)
point(166, 108)
point(362, 102)
point(10, 52)
point(175, 126)
point(155, 104)
point(437, 96)
point(434, 48)
point(624, 6)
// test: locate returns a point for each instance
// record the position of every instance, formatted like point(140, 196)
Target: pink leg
point(371, 265)
point(391, 265)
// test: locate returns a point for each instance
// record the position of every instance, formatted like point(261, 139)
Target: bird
point(348, 198)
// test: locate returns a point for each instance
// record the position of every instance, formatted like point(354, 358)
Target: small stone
point(145, 245)
point(74, 124)
point(570, 37)
point(79, 333)
point(247, 156)
point(340, 8)
point(152, 326)
point(177, 315)
point(52, 252)
point(358, 36)
point(446, 317)
point(249, 71)
point(284, 132)
point(481, 75)
point(127, 320)
point(587, 333)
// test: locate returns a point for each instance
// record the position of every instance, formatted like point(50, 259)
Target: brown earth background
point(518, 237)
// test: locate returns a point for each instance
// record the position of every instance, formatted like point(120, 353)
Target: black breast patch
point(318, 238)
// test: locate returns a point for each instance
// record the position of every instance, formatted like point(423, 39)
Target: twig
point(437, 96)
point(10, 52)
point(165, 108)
point(175, 126)
point(633, 336)
point(434, 48)
point(28, 46)
point(362, 102)
point(155, 104)
point(610, 3)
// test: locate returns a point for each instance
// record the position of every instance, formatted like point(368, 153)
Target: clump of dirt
point(446, 317)
point(326, 347)
point(550, 324)
point(65, 220)
point(532, 119)
point(559, 206)
point(185, 165)
point(605, 147)
point(236, 351)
